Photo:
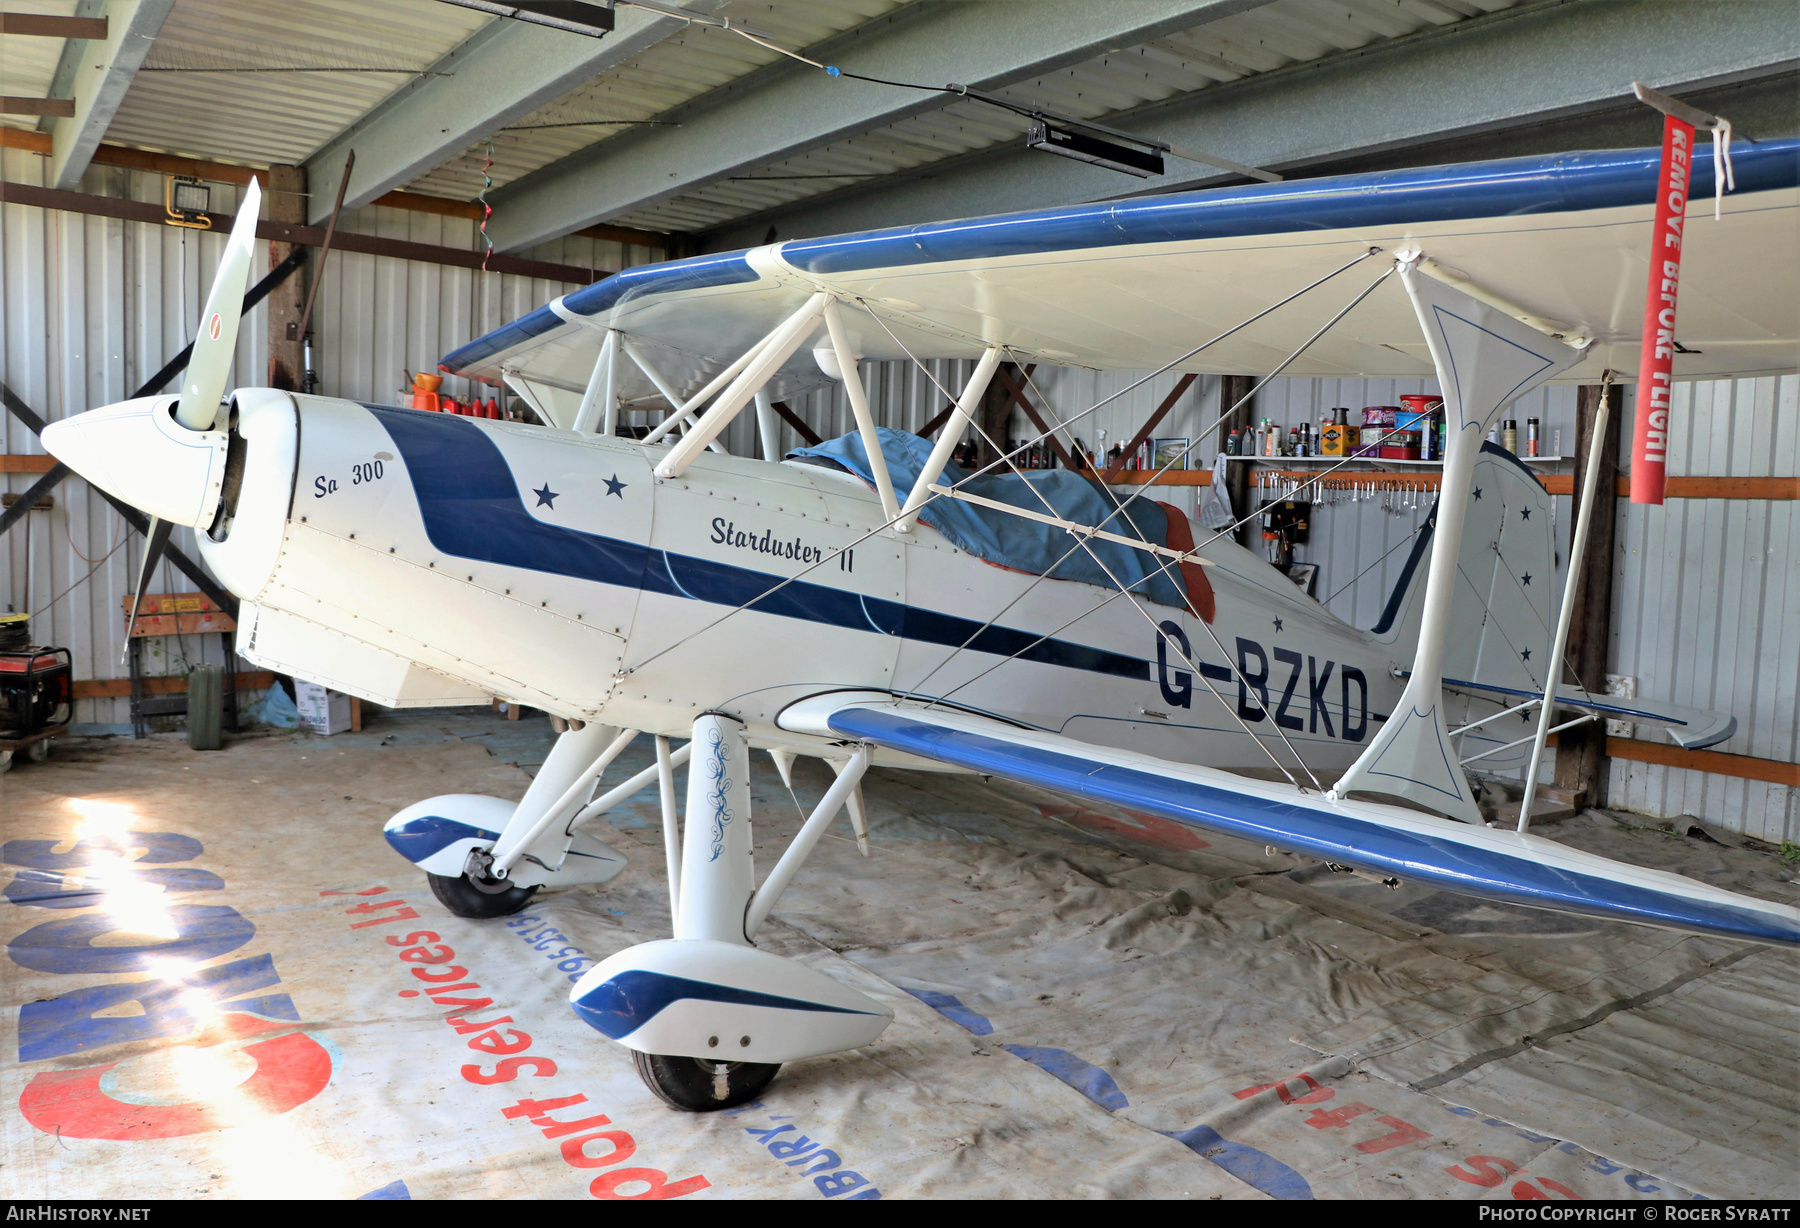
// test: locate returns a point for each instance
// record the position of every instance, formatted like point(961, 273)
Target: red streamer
point(1650, 440)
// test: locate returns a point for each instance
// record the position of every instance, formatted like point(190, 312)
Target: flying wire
point(1121, 505)
point(1085, 543)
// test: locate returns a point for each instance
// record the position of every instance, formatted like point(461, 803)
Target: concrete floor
point(204, 1001)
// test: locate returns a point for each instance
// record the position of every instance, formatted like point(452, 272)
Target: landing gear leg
point(717, 881)
point(479, 898)
point(696, 1085)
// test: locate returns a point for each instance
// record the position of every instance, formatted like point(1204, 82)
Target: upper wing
point(1479, 861)
point(1127, 284)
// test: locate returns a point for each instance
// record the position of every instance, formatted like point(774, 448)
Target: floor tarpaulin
point(207, 999)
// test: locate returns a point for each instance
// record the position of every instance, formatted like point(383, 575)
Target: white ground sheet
point(1087, 1005)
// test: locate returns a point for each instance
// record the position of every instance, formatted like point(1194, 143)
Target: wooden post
point(993, 415)
point(1232, 389)
point(286, 202)
point(1580, 752)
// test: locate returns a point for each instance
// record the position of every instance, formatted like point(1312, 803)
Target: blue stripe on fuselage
point(1332, 835)
point(472, 509)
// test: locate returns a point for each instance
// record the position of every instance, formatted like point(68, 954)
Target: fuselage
point(556, 570)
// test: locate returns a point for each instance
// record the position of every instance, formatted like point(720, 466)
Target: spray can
point(1531, 436)
point(1509, 436)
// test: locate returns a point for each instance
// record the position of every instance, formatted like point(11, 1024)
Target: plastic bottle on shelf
point(1232, 442)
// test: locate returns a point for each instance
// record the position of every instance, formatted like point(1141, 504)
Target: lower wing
point(1386, 840)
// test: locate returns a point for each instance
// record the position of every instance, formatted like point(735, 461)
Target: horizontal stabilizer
point(1385, 840)
point(1690, 728)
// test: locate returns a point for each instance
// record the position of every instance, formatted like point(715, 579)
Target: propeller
point(209, 366)
point(203, 386)
point(154, 541)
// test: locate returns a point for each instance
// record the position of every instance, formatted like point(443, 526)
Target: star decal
point(1525, 579)
point(1277, 624)
point(614, 486)
point(1526, 655)
point(1478, 492)
point(1524, 513)
point(1525, 717)
point(547, 497)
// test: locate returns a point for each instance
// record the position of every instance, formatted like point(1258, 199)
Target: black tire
point(696, 1085)
point(465, 899)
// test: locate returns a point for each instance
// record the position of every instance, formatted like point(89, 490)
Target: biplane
point(868, 602)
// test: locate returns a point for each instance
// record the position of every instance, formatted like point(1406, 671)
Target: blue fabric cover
point(1012, 541)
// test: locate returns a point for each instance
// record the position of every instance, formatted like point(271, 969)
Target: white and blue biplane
point(868, 602)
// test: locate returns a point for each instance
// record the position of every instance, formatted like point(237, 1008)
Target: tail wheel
point(485, 898)
point(697, 1085)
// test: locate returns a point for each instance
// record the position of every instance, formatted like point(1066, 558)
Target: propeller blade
point(155, 538)
point(203, 386)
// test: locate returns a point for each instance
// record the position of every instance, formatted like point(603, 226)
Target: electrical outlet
point(1623, 687)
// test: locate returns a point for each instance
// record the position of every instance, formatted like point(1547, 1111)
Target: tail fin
point(1504, 608)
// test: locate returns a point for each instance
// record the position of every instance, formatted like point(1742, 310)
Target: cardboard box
point(321, 710)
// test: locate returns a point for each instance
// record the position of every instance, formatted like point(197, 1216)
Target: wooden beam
point(1580, 755)
point(1232, 389)
point(1719, 763)
point(1155, 420)
point(287, 203)
point(120, 688)
point(229, 172)
point(20, 138)
point(931, 428)
point(61, 108)
point(44, 26)
point(991, 417)
point(309, 236)
point(627, 234)
point(1016, 391)
point(18, 462)
point(175, 164)
point(470, 209)
point(794, 420)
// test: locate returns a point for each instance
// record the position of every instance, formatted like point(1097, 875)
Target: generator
point(37, 691)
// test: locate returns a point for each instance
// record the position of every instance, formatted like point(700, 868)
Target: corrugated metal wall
point(1707, 592)
point(1706, 606)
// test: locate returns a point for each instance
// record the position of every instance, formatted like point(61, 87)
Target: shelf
point(1377, 460)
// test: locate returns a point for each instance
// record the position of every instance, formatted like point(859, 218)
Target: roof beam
point(787, 109)
point(97, 73)
point(505, 70)
point(1539, 78)
point(41, 25)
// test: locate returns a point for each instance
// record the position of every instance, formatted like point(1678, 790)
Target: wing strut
point(1584, 520)
point(1485, 359)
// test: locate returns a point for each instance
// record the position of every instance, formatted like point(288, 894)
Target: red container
point(1391, 451)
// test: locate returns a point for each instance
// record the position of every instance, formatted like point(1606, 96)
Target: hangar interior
point(1087, 1000)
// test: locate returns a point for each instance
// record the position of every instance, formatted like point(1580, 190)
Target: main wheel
point(487, 898)
point(39, 750)
point(697, 1085)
